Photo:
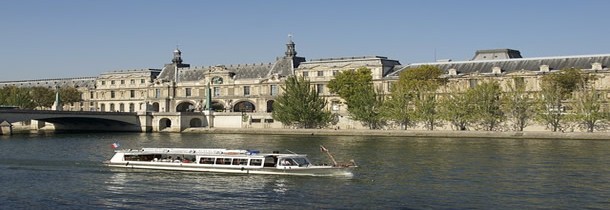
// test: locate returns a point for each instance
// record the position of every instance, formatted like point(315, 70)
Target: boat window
point(223, 161)
point(139, 157)
point(270, 161)
point(301, 161)
point(240, 161)
point(206, 160)
point(256, 162)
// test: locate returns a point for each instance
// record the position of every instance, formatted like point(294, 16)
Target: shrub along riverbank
point(411, 133)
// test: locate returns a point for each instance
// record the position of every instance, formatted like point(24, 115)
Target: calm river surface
point(65, 171)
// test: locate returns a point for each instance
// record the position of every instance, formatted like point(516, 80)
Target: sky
point(41, 39)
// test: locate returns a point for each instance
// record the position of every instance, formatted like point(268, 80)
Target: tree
point(413, 97)
point(588, 111)
point(485, 100)
point(15, 96)
point(69, 95)
point(518, 106)
point(300, 106)
point(555, 88)
point(42, 97)
point(397, 108)
point(364, 103)
point(457, 110)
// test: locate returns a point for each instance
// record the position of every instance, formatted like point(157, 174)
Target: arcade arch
point(244, 106)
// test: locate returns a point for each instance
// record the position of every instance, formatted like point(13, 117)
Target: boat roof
point(205, 151)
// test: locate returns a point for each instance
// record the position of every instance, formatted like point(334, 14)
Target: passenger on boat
point(287, 162)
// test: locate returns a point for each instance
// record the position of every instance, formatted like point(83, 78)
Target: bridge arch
point(244, 106)
point(165, 123)
point(185, 106)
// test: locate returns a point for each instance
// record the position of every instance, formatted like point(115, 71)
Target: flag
point(323, 149)
point(115, 145)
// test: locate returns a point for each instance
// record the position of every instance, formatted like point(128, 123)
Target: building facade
point(250, 89)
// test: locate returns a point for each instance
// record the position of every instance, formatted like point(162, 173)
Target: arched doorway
point(132, 107)
point(103, 107)
point(164, 123)
point(244, 106)
point(270, 105)
point(121, 107)
point(155, 107)
point(185, 107)
point(196, 123)
point(112, 108)
point(217, 106)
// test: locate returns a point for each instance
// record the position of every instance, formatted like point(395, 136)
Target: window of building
point(335, 72)
point(320, 89)
point(133, 81)
point(305, 74)
point(273, 90)
point(112, 94)
point(246, 90)
point(142, 81)
point(103, 82)
point(320, 73)
point(132, 93)
point(91, 95)
point(187, 92)
point(157, 93)
point(216, 91)
point(217, 80)
point(112, 82)
point(122, 82)
point(519, 82)
point(121, 107)
point(472, 83)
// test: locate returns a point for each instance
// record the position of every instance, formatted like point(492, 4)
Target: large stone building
point(250, 89)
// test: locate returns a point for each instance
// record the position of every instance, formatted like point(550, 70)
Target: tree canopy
point(364, 103)
point(300, 106)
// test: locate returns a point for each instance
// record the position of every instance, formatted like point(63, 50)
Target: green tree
point(15, 96)
point(456, 108)
point(517, 105)
point(486, 102)
point(300, 106)
point(397, 108)
point(588, 110)
point(413, 97)
point(42, 97)
point(364, 103)
point(555, 88)
point(69, 95)
point(423, 82)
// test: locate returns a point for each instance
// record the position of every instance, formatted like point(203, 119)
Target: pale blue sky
point(59, 38)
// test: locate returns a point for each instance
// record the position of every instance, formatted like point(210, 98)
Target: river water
point(65, 171)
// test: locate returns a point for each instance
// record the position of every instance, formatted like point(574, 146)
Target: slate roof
point(283, 66)
point(517, 64)
point(88, 82)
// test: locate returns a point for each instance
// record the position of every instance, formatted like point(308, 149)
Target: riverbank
point(409, 133)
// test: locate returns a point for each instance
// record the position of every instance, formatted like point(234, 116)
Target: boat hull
point(297, 171)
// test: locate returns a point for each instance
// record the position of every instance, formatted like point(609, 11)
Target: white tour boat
point(226, 161)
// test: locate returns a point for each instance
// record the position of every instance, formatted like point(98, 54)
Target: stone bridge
point(102, 121)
